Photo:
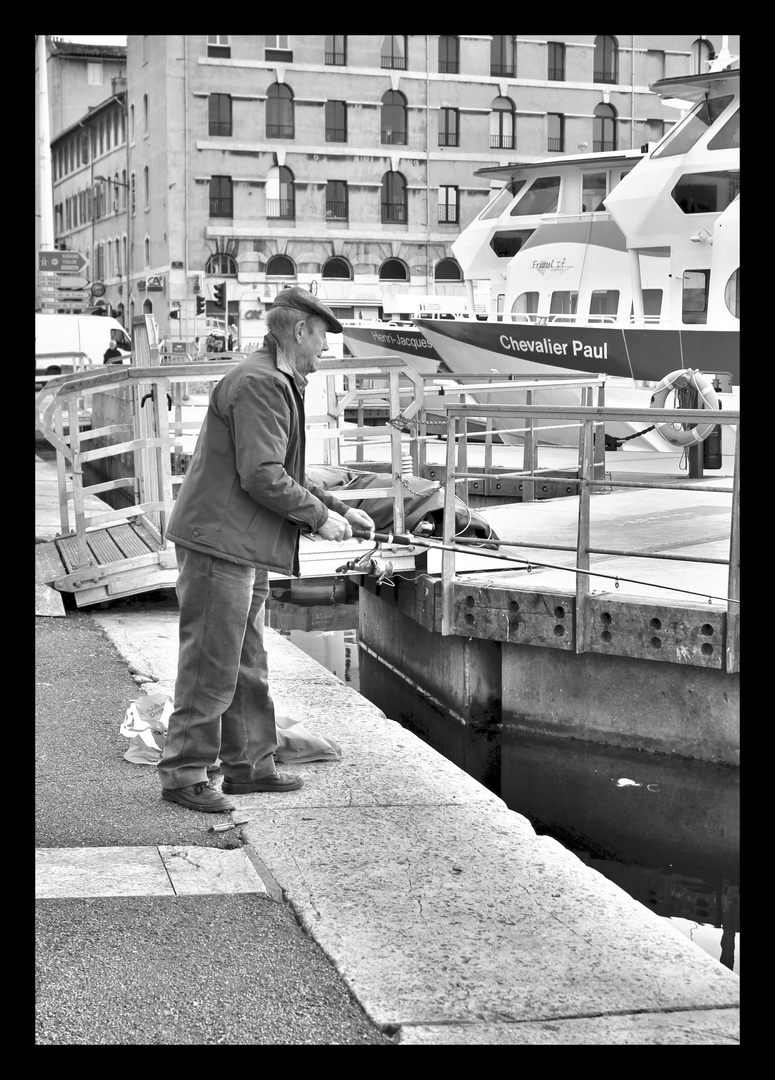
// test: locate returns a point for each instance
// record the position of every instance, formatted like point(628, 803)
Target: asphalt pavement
point(217, 969)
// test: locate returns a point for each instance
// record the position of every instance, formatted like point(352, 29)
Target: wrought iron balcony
point(221, 208)
point(336, 211)
point(393, 212)
point(281, 208)
point(502, 142)
point(394, 137)
point(279, 131)
point(448, 138)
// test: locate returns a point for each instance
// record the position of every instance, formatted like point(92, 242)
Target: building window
point(393, 270)
point(502, 124)
point(448, 205)
point(133, 193)
point(604, 128)
point(94, 74)
point(447, 270)
point(336, 200)
point(146, 251)
point(219, 114)
point(279, 112)
point(556, 61)
point(279, 194)
point(702, 53)
point(145, 118)
point(393, 198)
point(556, 131)
point(337, 268)
point(221, 265)
point(503, 52)
point(218, 46)
point(393, 120)
point(336, 121)
point(278, 47)
point(448, 127)
point(606, 62)
point(336, 49)
point(147, 187)
point(280, 266)
point(393, 52)
point(221, 200)
point(449, 55)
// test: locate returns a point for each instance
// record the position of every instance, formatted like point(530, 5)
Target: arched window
point(448, 270)
point(393, 197)
point(280, 266)
point(393, 270)
point(606, 62)
point(502, 124)
point(222, 265)
point(393, 118)
point(147, 307)
point(702, 53)
point(279, 112)
point(337, 268)
point(604, 128)
point(279, 193)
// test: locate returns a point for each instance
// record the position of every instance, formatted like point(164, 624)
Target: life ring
point(688, 379)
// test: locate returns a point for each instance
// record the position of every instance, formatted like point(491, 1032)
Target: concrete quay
point(448, 918)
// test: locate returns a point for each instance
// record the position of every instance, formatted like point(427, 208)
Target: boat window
point(708, 192)
point(564, 303)
point(694, 308)
point(541, 197)
point(729, 136)
point(593, 191)
point(603, 302)
point(526, 303)
point(689, 130)
point(652, 303)
point(507, 242)
point(496, 207)
point(732, 294)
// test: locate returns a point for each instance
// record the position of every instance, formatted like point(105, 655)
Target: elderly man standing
point(238, 514)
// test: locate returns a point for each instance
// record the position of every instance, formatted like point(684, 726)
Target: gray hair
point(281, 321)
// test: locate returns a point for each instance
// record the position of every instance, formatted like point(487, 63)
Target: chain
point(635, 436)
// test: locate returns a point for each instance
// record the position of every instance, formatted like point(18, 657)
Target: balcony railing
point(394, 137)
point(448, 138)
point(448, 214)
point(449, 67)
point(220, 127)
point(606, 76)
point(221, 208)
point(393, 212)
point(555, 144)
point(336, 134)
point(281, 208)
point(393, 62)
point(607, 144)
point(503, 142)
point(338, 58)
point(503, 69)
point(556, 74)
point(336, 211)
point(279, 131)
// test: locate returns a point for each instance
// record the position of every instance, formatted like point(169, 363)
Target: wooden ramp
point(123, 559)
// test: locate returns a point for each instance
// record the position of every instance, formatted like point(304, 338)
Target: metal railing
point(588, 417)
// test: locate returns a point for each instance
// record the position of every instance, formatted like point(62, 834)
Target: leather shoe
point(272, 782)
point(198, 797)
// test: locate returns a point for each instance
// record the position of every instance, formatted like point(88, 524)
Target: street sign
point(61, 262)
point(98, 289)
point(70, 281)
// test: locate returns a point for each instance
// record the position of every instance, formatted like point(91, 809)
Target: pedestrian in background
point(238, 516)
point(112, 355)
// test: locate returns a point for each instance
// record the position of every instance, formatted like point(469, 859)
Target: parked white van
point(66, 343)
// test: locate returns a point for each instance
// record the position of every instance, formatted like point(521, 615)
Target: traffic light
point(200, 305)
point(220, 295)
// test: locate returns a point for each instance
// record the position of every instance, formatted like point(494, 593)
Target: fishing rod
point(415, 540)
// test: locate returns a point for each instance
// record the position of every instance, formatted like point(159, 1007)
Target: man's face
point(310, 342)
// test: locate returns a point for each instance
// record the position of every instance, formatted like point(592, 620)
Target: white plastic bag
point(295, 743)
point(145, 725)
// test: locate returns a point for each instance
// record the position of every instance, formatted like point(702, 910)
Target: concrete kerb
point(450, 920)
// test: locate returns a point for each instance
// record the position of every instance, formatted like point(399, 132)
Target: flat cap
point(303, 300)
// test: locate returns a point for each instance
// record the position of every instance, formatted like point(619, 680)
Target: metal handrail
point(589, 416)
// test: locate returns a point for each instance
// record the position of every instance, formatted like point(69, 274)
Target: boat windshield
point(691, 129)
point(496, 207)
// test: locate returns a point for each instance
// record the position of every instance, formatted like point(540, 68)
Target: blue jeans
point(223, 707)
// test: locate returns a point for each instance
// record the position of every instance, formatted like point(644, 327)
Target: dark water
point(664, 830)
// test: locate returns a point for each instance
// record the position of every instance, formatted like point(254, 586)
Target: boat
point(624, 264)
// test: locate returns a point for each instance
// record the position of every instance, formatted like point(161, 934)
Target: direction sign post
point(61, 262)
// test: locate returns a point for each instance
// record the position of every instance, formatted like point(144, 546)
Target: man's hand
point(335, 527)
point(360, 517)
